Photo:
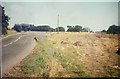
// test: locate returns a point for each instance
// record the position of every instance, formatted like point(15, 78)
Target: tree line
point(114, 29)
point(78, 28)
point(30, 27)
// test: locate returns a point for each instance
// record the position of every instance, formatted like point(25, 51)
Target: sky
point(95, 15)
point(119, 13)
point(60, 0)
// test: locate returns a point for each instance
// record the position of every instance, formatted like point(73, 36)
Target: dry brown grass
point(67, 54)
point(95, 51)
point(11, 32)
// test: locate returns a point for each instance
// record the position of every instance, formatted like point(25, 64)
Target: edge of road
point(34, 45)
point(3, 37)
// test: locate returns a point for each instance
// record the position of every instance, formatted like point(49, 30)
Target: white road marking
point(8, 36)
point(13, 41)
point(18, 38)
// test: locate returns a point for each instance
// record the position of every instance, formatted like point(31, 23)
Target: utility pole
point(58, 23)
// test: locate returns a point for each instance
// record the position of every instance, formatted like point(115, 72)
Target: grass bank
point(70, 55)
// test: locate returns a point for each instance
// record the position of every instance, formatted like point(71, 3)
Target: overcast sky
point(96, 15)
point(60, 0)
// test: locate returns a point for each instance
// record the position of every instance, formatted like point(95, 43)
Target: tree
point(52, 29)
point(103, 31)
point(25, 27)
point(113, 29)
point(77, 28)
point(17, 27)
point(70, 28)
point(60, 29)
point(43, 28)
point(86, 29)
point(5, 21)
point(32, 28)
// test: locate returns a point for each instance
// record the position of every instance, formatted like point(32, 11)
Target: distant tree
point(62, 29)
point(77, 28)
point(29, 27)
point(17, 27)
point(86, 29)
point(113, 29)
point(70, 28)
point(32, 28)
point(51, 29)
point(103, 31)
point(25, 27)
point(83, 30)
point(5, 21)
point(43, 28)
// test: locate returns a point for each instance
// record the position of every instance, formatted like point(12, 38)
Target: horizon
point(95, 15)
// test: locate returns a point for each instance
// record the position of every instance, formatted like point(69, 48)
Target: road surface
point(17, 47)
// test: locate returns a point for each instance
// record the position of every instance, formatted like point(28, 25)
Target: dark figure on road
point(35, 39)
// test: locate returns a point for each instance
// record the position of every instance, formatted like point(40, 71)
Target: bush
point(60, 29)
point(113, 29)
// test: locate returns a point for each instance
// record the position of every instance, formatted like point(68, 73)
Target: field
point(67, 54)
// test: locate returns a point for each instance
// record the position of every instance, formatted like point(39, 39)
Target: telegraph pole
point(58, 23)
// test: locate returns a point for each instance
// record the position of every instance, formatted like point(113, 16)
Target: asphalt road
point(17, 47)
